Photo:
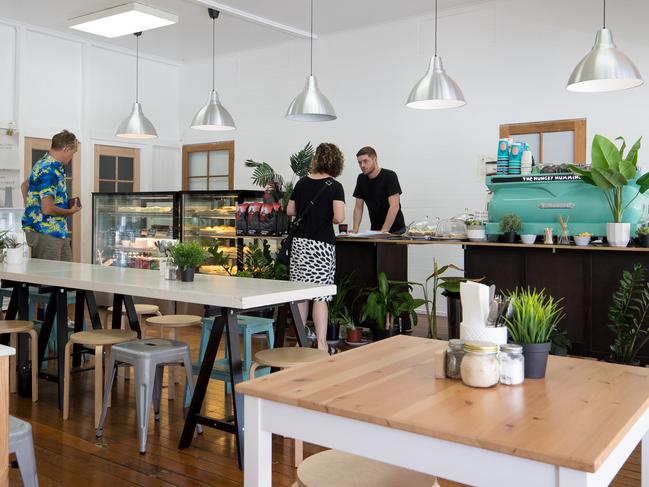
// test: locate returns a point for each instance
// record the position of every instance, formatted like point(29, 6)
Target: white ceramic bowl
point(581, 241)
point(528, 238)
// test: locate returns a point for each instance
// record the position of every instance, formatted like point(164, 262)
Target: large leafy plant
point(388, 301)
point(611, 171)
point(337, 308)
point(264, 175)
point(628, 316)
point(258, 262)
point(534, 316)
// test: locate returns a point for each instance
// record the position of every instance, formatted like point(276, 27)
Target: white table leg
point(644, 461)
point(257, 470)
point(567, 477)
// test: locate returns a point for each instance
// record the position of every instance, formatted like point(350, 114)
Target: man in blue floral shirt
point(47, 205)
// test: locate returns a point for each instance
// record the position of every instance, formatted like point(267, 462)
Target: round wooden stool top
point(103, 337)
point(15, 326)
point(286, 357)
point(174, 321)
point(141, 309)
point(333, 467)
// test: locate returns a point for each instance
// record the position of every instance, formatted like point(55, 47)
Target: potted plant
point(614, 173)
point(352, 334)
point(475, 230)
point(643, 236)
point(510, 225)
point(531, 321)
point(629, 316)
point(337, 307)
point(187, 256)
point(386, 303)
point(12, 249)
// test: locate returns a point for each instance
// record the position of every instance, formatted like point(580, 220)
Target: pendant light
point(311, 105)
point(136, 125)
point(604, 68)
point(213, 116)
point(436, 90)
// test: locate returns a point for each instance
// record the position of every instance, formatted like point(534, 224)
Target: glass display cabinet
point(209, 217)
point(127, 227)
point(11, 220)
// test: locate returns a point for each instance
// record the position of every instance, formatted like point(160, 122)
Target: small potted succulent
point(187, 256)
point(643, 235)
point(475, 230)
point(583, 239)
point(352, 334)
point(510, 225)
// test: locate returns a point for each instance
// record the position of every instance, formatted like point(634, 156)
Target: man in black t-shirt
point(379, 189)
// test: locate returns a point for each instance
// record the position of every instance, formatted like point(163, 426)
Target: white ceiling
point(190, 38)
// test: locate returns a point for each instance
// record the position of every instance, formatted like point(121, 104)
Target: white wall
point(512, 59)
point(53, 81)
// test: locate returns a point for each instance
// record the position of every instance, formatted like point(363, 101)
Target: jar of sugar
point(512, 364)
point(479, 366)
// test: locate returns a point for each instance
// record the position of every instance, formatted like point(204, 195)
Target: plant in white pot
point(475, 230)
point(614, 173)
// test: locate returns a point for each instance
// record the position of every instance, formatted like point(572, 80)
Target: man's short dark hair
point(367, 151)
point(63, 139)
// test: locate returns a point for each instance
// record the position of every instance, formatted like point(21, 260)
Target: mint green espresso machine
point(539, 200)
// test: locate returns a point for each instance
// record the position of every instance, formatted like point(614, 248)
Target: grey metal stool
point(148, 357)
point(21, 443)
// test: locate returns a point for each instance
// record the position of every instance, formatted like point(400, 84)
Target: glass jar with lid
point(480, 366)
point(512, 364)
point(422, 229)
point(454, 354)
point(452, 228)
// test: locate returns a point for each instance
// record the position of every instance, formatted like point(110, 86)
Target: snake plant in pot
point(615, 173)
point(531, 321)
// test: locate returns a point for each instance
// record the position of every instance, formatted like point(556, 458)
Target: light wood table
point(5, 353)
point(575, 428)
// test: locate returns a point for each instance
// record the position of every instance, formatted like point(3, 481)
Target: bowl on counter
point(582, 241)
point(528, 238)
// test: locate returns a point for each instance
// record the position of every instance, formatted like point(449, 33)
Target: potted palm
point(337, 306)
point(615, 174)
point(510, 225)
point(352, 334)
point(531, 322)
point(187, 256)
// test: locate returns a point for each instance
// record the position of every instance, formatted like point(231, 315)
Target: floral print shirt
point(47, 179)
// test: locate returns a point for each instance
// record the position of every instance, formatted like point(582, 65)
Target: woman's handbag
point(284, 253)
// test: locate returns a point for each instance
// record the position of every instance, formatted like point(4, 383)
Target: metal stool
point(285, 358)
point(333, 467)
point(21, 443)
point(148, 358)
point(173, 322)
point(18, 326)
point(97, 339)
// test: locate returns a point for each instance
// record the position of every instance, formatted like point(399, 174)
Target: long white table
point(231, 294)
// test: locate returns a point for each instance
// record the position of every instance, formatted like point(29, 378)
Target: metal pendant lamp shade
point(311, 105)
point(436, 90)
point(604, 68)
point(213, 116)
point(136, 125)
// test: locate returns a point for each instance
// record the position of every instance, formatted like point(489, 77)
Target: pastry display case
point(127, 227)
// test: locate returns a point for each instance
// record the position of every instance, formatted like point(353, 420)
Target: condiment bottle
point(480, 364)
point(454, 354)
point(512, 364)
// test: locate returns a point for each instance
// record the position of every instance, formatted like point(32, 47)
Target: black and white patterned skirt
point(313, 261)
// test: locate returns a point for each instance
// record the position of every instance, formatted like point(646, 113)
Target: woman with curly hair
point(313, 253)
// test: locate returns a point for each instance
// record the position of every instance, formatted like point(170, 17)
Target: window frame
point(117, 152)
point(208, 147)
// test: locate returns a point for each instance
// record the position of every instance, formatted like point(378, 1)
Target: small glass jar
point(480, 364)
point(454, 354)
point(512, 364)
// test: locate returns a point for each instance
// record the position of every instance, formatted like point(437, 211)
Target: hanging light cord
point(137, 66)
point(311, 37)
point(213, 50)
point(605, 14)
point(436, 28)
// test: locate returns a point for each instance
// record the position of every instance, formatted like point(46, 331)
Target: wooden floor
point(68, 454)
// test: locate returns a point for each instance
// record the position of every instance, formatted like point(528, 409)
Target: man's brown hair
point(367, 151)
point(328, 159)
point(63, 139)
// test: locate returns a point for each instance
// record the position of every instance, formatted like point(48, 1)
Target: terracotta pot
point(355, 335)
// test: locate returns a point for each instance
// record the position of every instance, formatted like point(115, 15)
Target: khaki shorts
point(48, 247)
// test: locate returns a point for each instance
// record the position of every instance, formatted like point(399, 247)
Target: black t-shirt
point(318, 222)
point(375, 193)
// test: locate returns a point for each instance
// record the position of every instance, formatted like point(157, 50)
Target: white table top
point(229, 292)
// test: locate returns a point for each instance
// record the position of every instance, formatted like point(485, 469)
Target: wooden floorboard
point(69, 455)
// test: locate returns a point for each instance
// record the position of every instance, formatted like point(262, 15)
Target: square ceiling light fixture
point(122, 20)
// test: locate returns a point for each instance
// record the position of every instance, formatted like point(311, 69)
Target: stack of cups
point(526, 162)
point(503, 157)
point(515, 156)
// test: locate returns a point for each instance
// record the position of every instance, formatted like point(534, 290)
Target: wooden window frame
point(38, 143)
point(212, 146)
point(575, 125)
point(117, 151)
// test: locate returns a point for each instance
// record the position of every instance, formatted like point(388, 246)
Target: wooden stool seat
point(333, 467)
point(15, 326)
point(174, 321)
point(141, 309)
point(286, 357)
point(12, 328)
point(102, 337)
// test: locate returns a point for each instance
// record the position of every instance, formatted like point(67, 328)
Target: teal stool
point(247, 326)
